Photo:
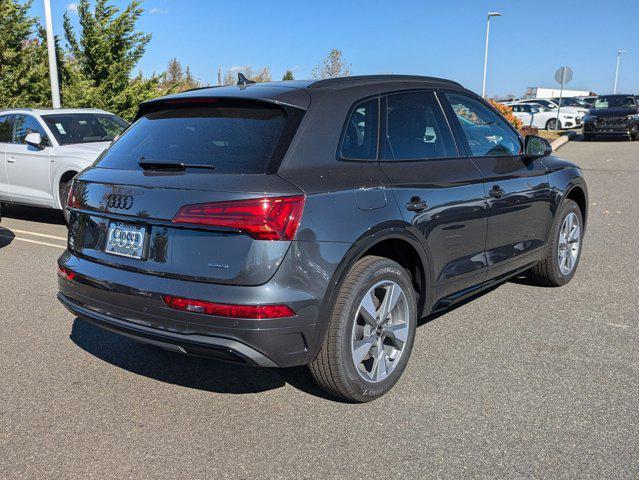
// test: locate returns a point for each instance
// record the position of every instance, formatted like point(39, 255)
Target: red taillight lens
point(225, 310)
point(275, 218)
point(72, 199)
point(65, 273)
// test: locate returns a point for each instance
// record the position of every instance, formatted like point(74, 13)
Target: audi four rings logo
point(124, 202)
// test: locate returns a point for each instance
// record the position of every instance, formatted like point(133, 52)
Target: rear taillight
point(73, 200)
point(275, 218)
point(226, 310)
point(65, 273)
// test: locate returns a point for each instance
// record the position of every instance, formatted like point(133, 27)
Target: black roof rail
point(367, 79)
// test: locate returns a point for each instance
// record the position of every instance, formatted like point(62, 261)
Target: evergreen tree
point(104, 55)
point(288, 75)
point(24, 74)
point(177, 79)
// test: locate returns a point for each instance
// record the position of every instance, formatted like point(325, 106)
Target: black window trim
point(357, 103)
point(450, 112)
point(45, 137)
point(384, 139)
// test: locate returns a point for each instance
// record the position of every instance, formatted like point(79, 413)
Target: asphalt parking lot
point(523, 382)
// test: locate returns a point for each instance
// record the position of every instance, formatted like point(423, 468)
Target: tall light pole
point(619, 52)
point(483, 85)
point(53, 64)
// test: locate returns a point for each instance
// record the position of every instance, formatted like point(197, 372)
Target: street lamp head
point(494, 14)
point(619, 52)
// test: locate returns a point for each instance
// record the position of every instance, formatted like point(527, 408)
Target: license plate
point(126, 240)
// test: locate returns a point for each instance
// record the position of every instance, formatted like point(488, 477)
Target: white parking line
point(28, 240)
point(26, 232)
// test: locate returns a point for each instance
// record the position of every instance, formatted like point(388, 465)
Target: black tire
point(553, 124)
point(64, 193)
point(547, 271)
point(333, 369)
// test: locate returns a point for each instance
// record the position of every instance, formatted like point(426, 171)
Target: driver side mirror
point(536, 147)
point(34, 139)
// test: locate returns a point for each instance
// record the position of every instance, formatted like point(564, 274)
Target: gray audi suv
point(313, 222)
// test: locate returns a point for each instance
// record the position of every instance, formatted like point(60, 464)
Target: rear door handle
point(496, 191)
point(11, 159)
point(416, 204)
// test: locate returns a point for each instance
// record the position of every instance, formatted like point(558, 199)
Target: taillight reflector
point(65, 273)
point(274, 218)
point(226, 310)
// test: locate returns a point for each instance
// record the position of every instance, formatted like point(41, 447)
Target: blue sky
point(440, 38)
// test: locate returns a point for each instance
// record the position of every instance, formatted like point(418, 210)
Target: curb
point(561, 141)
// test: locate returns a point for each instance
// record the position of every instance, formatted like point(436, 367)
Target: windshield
point(616, 101)
point(228, 139)
point(69, 128)
point(572, 102)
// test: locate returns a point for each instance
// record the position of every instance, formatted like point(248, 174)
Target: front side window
point(416, 128)
point(488, 135)
point(360, 136)
point(71, 128)
point(5, 128)
point(24, 125)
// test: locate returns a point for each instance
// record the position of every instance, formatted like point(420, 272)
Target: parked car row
point(602, 115)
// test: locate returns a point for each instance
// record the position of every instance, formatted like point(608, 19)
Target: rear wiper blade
point(155, 165)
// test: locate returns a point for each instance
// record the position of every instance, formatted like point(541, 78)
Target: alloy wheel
point(569, 243)
point(380, 331)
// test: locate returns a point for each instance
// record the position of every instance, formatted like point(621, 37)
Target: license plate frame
point(126, 240)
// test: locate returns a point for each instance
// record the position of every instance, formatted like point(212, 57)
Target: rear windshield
point(231, 139)
point(68, 128)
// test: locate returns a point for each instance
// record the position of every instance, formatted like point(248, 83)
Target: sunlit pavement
point(522, 382)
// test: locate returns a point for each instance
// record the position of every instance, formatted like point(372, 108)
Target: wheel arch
point(65, 176)
point(395, 243)
point(578, 194)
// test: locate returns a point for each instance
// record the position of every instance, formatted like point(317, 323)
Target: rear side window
point(5, 129)
point(231, 139)
point(359, 141)
point(487, 133)
point(416, 128)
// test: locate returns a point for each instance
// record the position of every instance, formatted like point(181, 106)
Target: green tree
point(177, 79)
point(24, 75)
point(332, 66)
point(288, 75)
point(104, 55)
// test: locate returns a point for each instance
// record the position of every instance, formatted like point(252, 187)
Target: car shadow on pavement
point(33, 214)
point(188, 371)
point(6, 237)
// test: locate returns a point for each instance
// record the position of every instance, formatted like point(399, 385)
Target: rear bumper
point(201, 345)
point(130, 303)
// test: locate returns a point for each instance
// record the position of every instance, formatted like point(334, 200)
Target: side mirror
point(536, 147)
point(34, 139)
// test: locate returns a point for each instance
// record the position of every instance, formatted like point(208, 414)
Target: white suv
point(42, 150)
